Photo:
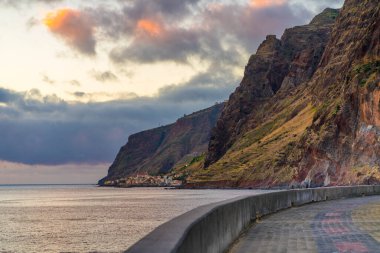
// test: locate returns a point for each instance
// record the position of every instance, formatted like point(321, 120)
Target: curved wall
point(212, 228)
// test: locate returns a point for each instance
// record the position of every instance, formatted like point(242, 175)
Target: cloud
point(149, 27)
point(103, 96)
point(170, 9)
point(106, 76)
point(199, 91)
point(147, 31)
point(202, 87)
point(79, 94)
point(32, 22)
point(266, 3)
point(226, 32)
point(318, 6)
point(247, 27)
point(74, 83)
point(37, 129)
point(8, 96)
point(47, 79)
point(74, 27)
point(18, 3)
point(171, 45)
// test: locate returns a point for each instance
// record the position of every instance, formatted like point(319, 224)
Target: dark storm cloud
point(37, 129)
point(148, 31)
point(165, 8)
point(8, 96)
point(176, 45)
point(157, 34)
point(118, 23)
point(213, 26)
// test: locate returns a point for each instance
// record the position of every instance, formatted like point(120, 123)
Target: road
point(344, 226)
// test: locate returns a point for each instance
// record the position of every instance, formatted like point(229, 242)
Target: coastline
point(184, 187)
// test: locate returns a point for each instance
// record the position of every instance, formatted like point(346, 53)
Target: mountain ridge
point(322, 132)
point(157, 150)
point(306, 114)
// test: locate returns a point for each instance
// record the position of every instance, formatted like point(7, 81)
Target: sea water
point(86, 218)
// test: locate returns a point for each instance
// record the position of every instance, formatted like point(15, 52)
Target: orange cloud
point(74, 27)
point(266, 3)
point(150, 27)
point(54, 20)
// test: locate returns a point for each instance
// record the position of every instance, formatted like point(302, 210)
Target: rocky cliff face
point(342, 145)
point(307, 111)
point(157, 150)
point(278, 64)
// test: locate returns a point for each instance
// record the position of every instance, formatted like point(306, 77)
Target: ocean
point(86, 218)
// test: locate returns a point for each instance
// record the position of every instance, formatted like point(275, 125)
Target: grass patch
point(259, 154)
point(365, 71)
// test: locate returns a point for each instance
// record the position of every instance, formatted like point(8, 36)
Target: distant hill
point(156, 151)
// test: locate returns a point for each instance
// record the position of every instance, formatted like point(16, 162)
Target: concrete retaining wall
point(212, 228)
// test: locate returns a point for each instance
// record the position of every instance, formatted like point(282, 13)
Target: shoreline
point(203, 188)
point(230, 188)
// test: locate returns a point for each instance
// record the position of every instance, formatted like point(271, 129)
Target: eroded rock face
point(343, 141)
point(158, 150)
point(263, 76)
point(277, 65)
point(320, 126)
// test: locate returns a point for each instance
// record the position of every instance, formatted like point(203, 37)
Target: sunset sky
point(78, 77)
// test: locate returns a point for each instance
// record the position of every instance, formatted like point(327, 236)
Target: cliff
point(156, 151)
point(307, 111)
point(277, 65)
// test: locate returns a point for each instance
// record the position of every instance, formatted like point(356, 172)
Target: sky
point(78, 77)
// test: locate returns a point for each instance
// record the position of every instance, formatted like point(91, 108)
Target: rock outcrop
point(307, 111)
point(156, 151)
